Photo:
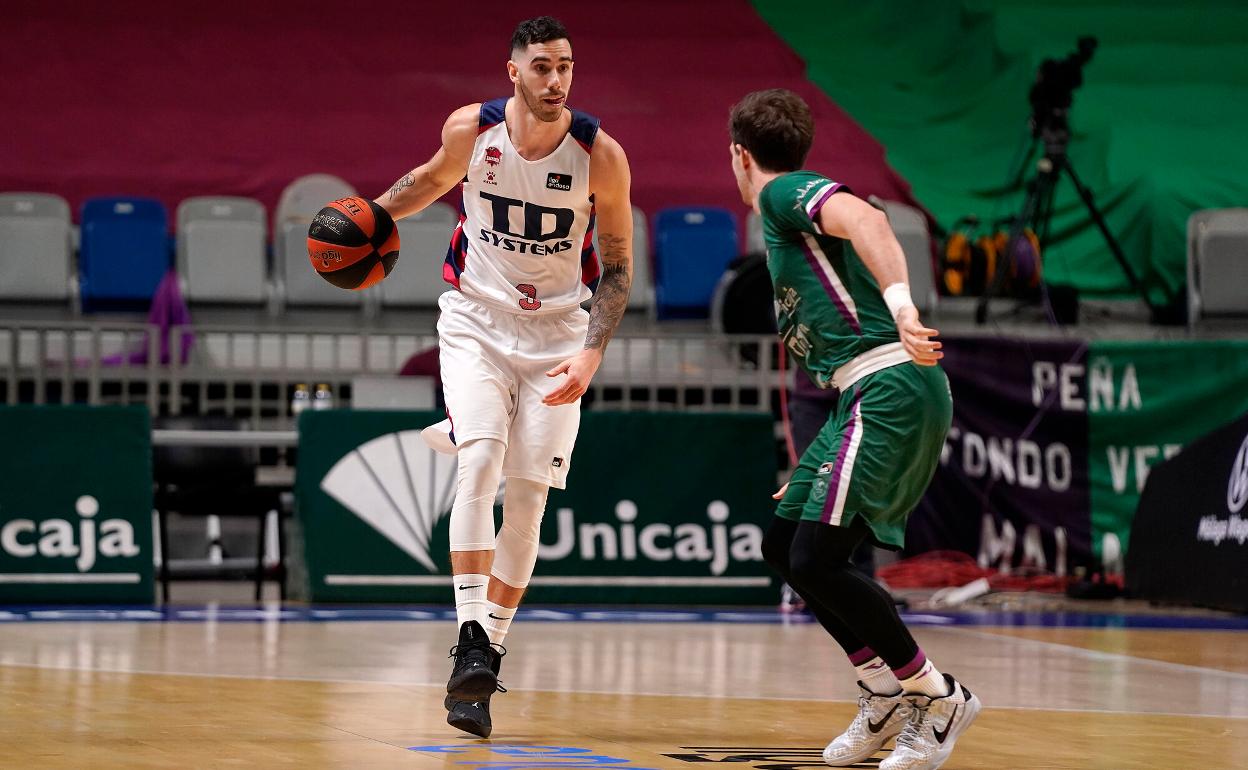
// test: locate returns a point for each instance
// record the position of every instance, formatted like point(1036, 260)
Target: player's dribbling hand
point(579, 369)
point(917, 338)
point(779, 493)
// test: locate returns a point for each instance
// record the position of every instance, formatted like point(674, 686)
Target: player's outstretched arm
point(866, 227)
point(610, 181)
point(426, 183)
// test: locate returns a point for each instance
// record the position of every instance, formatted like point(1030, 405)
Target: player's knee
point(481, 456)
point(804, 564)
point(524, 504)
point(777, 543)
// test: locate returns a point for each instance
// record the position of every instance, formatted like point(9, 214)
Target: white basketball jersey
point(525, 237)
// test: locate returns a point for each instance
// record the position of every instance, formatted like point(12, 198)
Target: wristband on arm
point(897, 296)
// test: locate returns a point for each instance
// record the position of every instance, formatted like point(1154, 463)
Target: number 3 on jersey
point(530, 301)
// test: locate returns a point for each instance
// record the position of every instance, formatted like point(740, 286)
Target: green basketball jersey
point(828, 305)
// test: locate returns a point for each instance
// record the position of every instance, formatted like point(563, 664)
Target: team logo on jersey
point(493, 156)
point(559, 181)
point(398, 486)
point(489, 178)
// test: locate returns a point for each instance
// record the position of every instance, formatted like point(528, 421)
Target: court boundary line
point(1185, 668)
point(784, 699)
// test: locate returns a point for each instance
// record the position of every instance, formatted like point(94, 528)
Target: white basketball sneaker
point(880, 717)
point(438, 437)
point(933, 728)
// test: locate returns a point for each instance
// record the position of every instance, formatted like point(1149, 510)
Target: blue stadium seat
point(125, 252)
point(692, 247)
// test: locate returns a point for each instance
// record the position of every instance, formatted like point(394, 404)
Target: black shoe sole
point(464, 717)
point(475, 685)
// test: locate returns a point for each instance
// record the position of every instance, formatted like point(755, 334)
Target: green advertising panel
point(1145, 401)
point(660, 508)
point(76, 504)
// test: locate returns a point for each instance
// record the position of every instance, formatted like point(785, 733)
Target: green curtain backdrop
point(1159, 124)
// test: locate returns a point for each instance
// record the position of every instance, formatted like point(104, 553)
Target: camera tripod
point(1037, 213)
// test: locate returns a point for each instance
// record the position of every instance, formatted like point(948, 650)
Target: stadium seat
point(36, 249)
point(910, 226)
point(641, 297)
point(417, 277)
point(306, 195)
point(1217, 264)
point(297, 283)
point(220, 250)
point(692, 248)
point(212, 480)
point(754, 234)
point(125, 252)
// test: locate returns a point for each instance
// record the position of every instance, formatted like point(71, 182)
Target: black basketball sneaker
point(477, 662)
point(472, 714)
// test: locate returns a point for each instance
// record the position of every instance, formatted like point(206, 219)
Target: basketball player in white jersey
point(517, 349)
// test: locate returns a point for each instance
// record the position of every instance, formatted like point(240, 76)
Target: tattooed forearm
point(402, 184)
point(612, 297)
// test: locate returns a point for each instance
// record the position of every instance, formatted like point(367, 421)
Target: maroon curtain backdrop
point(170, 100)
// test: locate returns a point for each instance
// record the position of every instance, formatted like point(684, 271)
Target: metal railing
point(251, 373)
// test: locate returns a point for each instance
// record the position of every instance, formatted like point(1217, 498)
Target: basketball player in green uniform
point(846, 317)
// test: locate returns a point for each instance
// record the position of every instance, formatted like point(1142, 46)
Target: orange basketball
point(353, 243)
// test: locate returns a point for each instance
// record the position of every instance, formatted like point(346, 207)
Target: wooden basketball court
point(269, 690)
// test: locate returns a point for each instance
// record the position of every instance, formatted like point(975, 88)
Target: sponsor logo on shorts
point(557, 462)
point(819, 489)
point(559, 181)
point(826, 468)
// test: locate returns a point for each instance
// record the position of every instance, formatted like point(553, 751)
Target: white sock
point(470, 602)
point(497, 621)
point(925, 679)
point(878, 677)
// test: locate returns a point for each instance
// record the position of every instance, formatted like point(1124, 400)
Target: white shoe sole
point(866, 752)
point(438, 438)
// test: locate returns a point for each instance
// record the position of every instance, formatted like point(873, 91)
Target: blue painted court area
point(558, 614)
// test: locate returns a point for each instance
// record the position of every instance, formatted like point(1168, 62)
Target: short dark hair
point(775, 126)
point(543, 29)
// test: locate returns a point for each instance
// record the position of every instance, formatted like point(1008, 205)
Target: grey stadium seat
point(221, 250)
point(306, 195)
point(36, 248)
point(1217, 264)
point(754, 234)
point(416, 280)
point(641, 297)
point(298, 283)
point(910, 226)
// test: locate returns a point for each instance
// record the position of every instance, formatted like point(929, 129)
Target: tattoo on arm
point(407, 181)
point(612, 297)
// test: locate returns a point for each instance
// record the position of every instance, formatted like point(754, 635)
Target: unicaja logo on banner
point(1237, 487)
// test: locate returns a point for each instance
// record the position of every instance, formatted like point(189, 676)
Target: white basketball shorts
point(494, 366)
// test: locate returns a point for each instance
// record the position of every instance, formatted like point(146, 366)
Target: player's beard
point(540, 109)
